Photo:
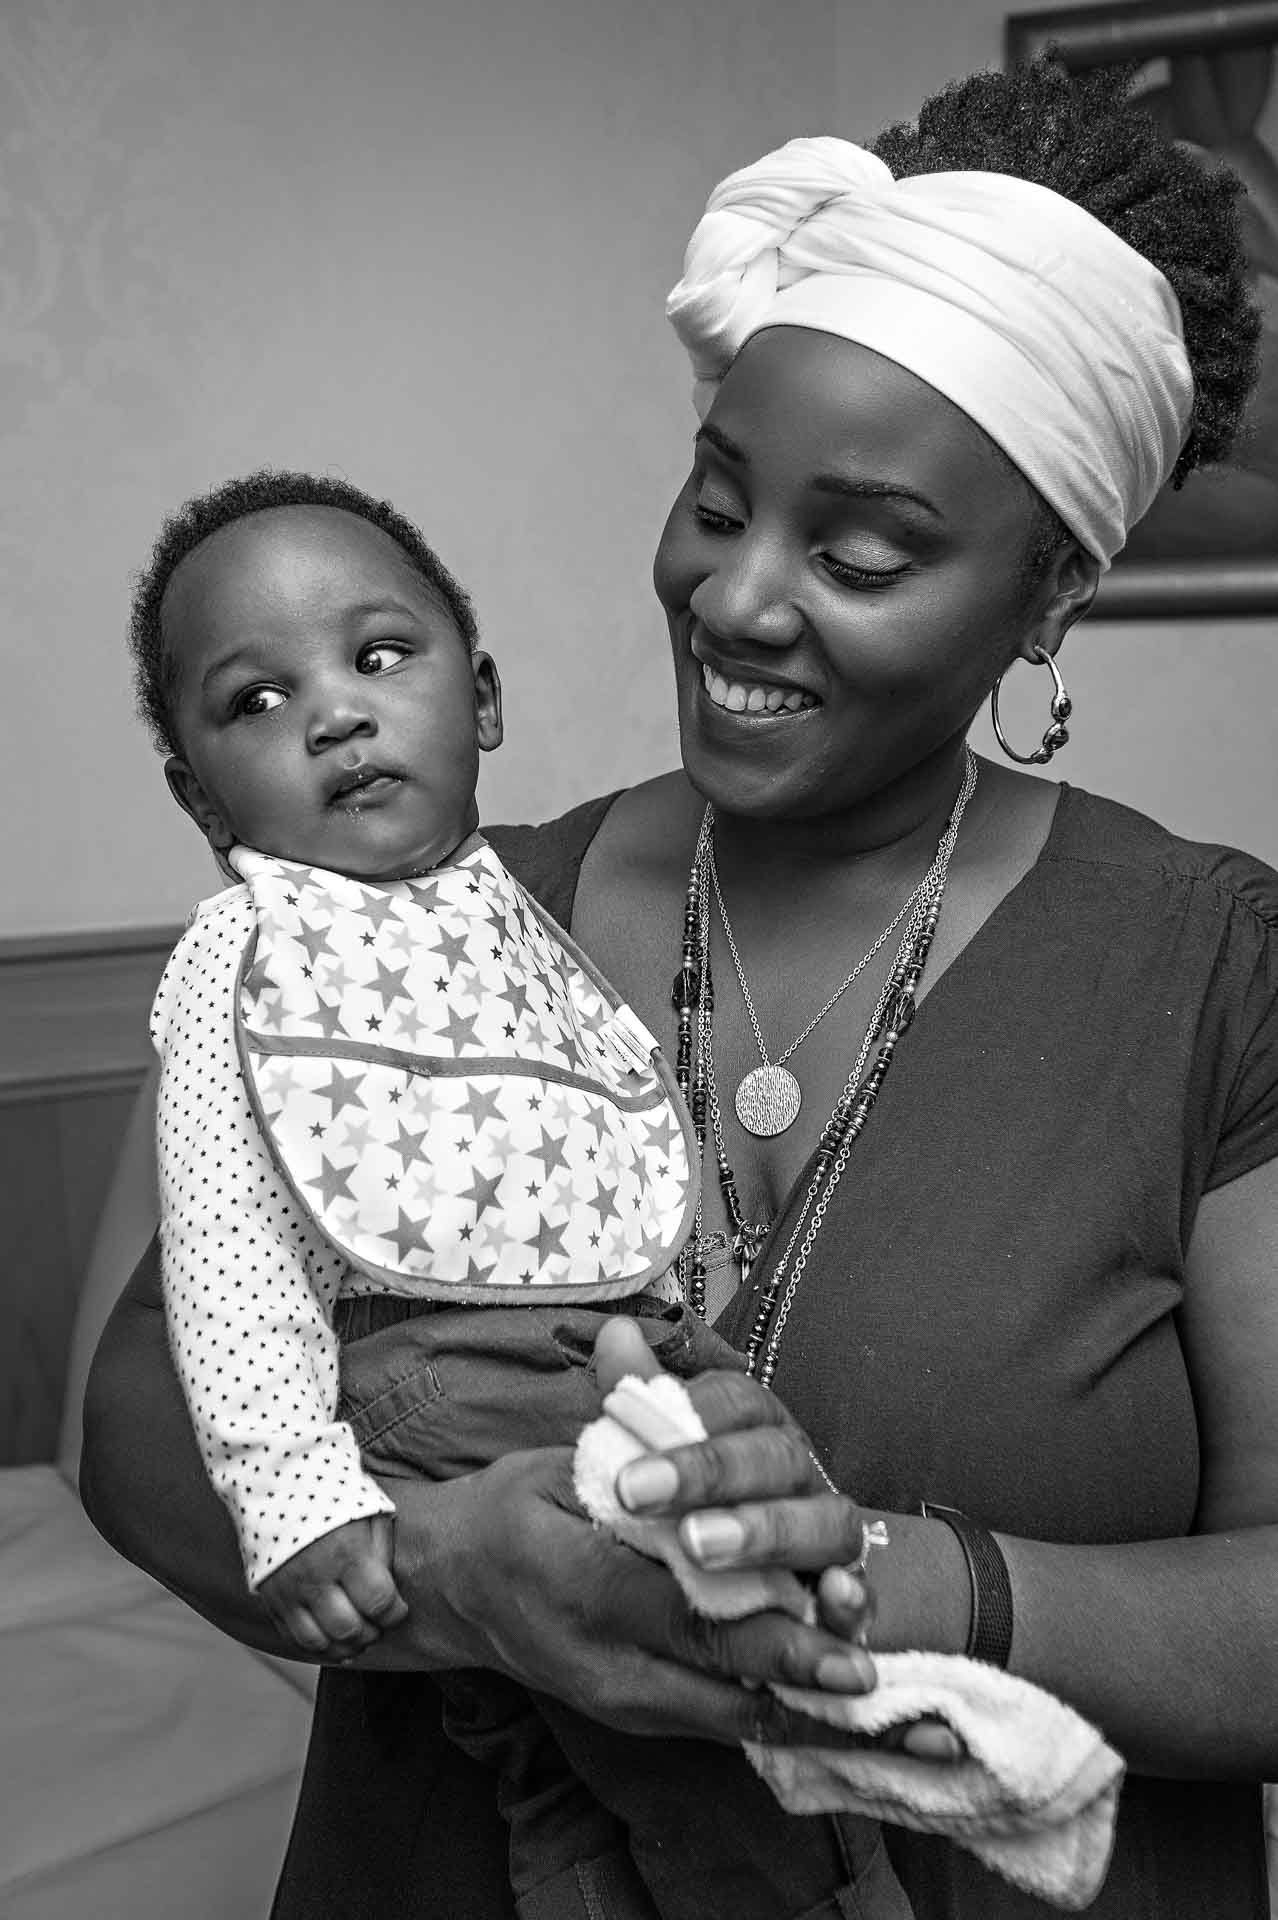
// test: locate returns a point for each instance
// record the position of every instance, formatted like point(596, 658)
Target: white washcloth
point(1036, 1795)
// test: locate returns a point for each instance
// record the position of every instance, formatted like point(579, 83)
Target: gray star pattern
point(460, 1029)
point(452, 948)
point(550, 1153)
point(380, 908)
point(327, 1016)
point(343, 1090)
point(315, 941)
point(408, 1237)
point(357, 1134)
point(550, 1242)
point(388, 982)
point(257, 980)
point(333, 1182)
point(605, 1203)
point(408, 1145)
point(517, 994)
point(483, 1192)
point(484, 1104)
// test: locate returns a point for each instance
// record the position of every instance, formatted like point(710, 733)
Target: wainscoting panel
point(73, 1050)
point(73, 1011)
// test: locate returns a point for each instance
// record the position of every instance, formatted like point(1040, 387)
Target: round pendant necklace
point(693, 997)
point(768, 1098)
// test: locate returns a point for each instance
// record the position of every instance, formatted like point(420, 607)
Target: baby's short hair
point(154, 670)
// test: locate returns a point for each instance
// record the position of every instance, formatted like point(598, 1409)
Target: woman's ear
point(1064, 594)
point(488, 727)
point(193, 800)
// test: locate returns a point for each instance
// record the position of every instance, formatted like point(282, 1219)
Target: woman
point(1030, 1278)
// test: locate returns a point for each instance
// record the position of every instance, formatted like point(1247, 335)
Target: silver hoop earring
point(1056, 735)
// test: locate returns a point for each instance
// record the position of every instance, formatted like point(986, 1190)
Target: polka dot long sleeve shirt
point(249, 1284)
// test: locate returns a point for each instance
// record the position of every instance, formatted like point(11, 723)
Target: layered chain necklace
point(693, 996)
point(768, 1098)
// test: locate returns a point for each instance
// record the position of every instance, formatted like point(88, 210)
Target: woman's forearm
point(1168, 1646)
point(143, 1484)
point(144, 1487)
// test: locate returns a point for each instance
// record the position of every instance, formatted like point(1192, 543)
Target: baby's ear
point(488, 726)
point(193, 800)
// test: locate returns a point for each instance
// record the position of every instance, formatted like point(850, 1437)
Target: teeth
point(736, 696)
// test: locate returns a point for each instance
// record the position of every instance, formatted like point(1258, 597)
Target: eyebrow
point(362, 611)
point(841, 484)
point(224, 665)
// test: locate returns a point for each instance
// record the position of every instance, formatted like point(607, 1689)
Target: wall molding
point(74, 1008)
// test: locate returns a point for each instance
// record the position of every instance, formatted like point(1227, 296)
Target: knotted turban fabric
point(1058, 339)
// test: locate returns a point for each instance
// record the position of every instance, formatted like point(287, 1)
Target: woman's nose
point(749, 596)
point(337, 717)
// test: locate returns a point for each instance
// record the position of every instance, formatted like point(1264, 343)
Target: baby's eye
point(255, 700)
point(381, 656)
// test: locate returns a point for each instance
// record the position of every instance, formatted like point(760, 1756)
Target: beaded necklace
point(693, 992)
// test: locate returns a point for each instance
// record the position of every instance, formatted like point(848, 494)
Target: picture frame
point(1179, 568)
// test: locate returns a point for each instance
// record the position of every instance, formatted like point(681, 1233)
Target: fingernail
point(647, 1483)
point(850, 1672)
point(713, 1536)
point(843, 1588)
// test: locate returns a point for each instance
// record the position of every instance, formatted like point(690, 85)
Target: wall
point(425, 246)
point(1177, 720)
point(422, 245)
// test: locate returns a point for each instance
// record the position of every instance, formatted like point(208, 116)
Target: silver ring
point(874, 1534)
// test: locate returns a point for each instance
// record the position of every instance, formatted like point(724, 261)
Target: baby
point(386, 1074)
point(398, 1107)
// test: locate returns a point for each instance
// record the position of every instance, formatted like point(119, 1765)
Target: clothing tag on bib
point(627, 1041)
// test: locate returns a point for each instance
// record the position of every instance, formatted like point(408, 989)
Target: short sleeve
point(1248, 974)
point(546, 860)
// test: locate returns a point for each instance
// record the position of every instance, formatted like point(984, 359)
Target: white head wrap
point(1058, 339)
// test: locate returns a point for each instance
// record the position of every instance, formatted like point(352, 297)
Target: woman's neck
point(880, 839)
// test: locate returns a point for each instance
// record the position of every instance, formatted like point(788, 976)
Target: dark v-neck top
point(999, 1269)
point(988, 1317)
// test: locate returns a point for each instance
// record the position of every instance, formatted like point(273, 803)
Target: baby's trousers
point(603, 1825)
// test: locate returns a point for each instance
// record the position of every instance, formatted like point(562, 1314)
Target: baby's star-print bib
point(451, 1090)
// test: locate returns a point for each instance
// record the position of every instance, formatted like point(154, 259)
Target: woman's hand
point(503, 1565)
point(753, 1495)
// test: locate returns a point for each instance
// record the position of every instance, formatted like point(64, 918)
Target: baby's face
point(328, 708)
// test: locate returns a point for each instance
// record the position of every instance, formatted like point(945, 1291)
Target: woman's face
point(842, 578)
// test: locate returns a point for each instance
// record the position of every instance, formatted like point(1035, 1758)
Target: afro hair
point(154, 668)
point(1082, 136)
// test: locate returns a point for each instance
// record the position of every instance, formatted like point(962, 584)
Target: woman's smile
point(753, 697)
point(735, 687)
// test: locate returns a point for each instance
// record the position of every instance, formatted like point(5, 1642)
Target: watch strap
point(989, 1636)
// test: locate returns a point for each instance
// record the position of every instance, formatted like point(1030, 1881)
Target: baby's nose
point(338, 719)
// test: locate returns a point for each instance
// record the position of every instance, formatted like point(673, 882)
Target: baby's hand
point(338, 1594)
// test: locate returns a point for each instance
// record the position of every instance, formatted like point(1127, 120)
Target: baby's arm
point(249, 1292)
point(331, 1593)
